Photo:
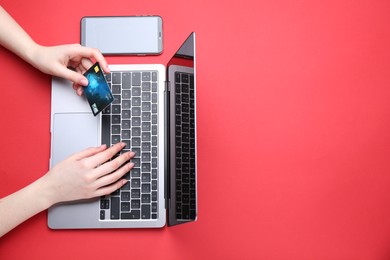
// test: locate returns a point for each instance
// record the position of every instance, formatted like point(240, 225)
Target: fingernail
point(84, 82)
point(123, 144)
point(131, 165)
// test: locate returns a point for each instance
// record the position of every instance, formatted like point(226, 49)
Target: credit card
point(98, 93)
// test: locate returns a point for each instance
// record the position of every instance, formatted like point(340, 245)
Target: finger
point(113, 165)
point(85, 64)
point(114, 176)
point(104, 156)
point(95, 54)
point(111, 178)
point(110, 188)
point(71, 75)
point(88, 152)
point(80, 91)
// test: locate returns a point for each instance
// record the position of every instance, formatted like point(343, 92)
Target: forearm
point(23, 204)
point(14, 38)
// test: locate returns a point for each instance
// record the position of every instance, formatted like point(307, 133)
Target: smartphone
point(121, 35)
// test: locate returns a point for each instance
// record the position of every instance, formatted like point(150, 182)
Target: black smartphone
point(123, 35)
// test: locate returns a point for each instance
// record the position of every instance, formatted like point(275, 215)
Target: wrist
point(44, 191)
point(32, 53)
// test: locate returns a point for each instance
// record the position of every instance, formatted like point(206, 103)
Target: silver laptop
point(154, 112)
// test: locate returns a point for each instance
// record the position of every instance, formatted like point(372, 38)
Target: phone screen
point(123, 34)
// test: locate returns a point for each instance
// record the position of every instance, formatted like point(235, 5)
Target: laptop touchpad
point(73, 132)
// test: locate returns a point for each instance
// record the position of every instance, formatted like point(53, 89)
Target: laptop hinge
point(167, 157)
point(167, 86)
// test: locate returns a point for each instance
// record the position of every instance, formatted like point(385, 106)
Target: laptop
point(154, 112)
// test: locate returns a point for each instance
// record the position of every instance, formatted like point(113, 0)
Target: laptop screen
point(182, 201)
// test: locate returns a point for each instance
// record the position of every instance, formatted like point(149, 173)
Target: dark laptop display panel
point(182, 172)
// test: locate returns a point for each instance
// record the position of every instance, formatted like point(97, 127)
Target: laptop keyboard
point(185, 146)
point(133, 118)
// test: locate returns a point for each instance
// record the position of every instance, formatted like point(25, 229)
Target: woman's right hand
point(88, 174)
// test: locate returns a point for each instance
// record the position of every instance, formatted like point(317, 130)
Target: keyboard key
point(145, 167)
point(154, 195)
point(114, 212)
point(104, 204)
point(154, 87)
point(115, 139)
point(154, 207)
point(116, 89)
point(145, 188)
point(126, 94)
point(145, 198)
point(136, 131)
point(126, 134)
point(136, 101)
point(136, 121)
point(154, 97)
point(146, 86)
point(135, 183)
point(145, 177)
point(146, 136)
point(116, 109)
point(146, 116)
point(134, 214)
point(145, 76)
point(126, 114)
point(146, 157)
point(146, 126)
point(154, 185)
point(136, 111)
point(135, 172)
point(146, 146)
point(154, 173)
point(135, 193)
point(126, 80)
point(145, 96)
point(146, 106)
point(126, 124)
point(136, 91)
point(125, 206)
point(106, 131)
point(117, 100)
point(125, 196)
point(145, 211)
point(154, 76)
point(136, 79)
point(116, 78)
point(136, 141)
point(135, 204)
point(126, 104)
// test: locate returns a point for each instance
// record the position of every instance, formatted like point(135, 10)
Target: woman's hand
point(88, 174)
point(68, 61)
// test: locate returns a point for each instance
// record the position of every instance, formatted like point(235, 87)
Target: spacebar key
point(106, 129)
point(114, 208)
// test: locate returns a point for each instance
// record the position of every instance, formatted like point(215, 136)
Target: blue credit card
point(98, 93)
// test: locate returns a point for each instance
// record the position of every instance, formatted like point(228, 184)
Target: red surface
point(293, 137)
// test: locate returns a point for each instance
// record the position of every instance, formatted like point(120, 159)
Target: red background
point(293, 130)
